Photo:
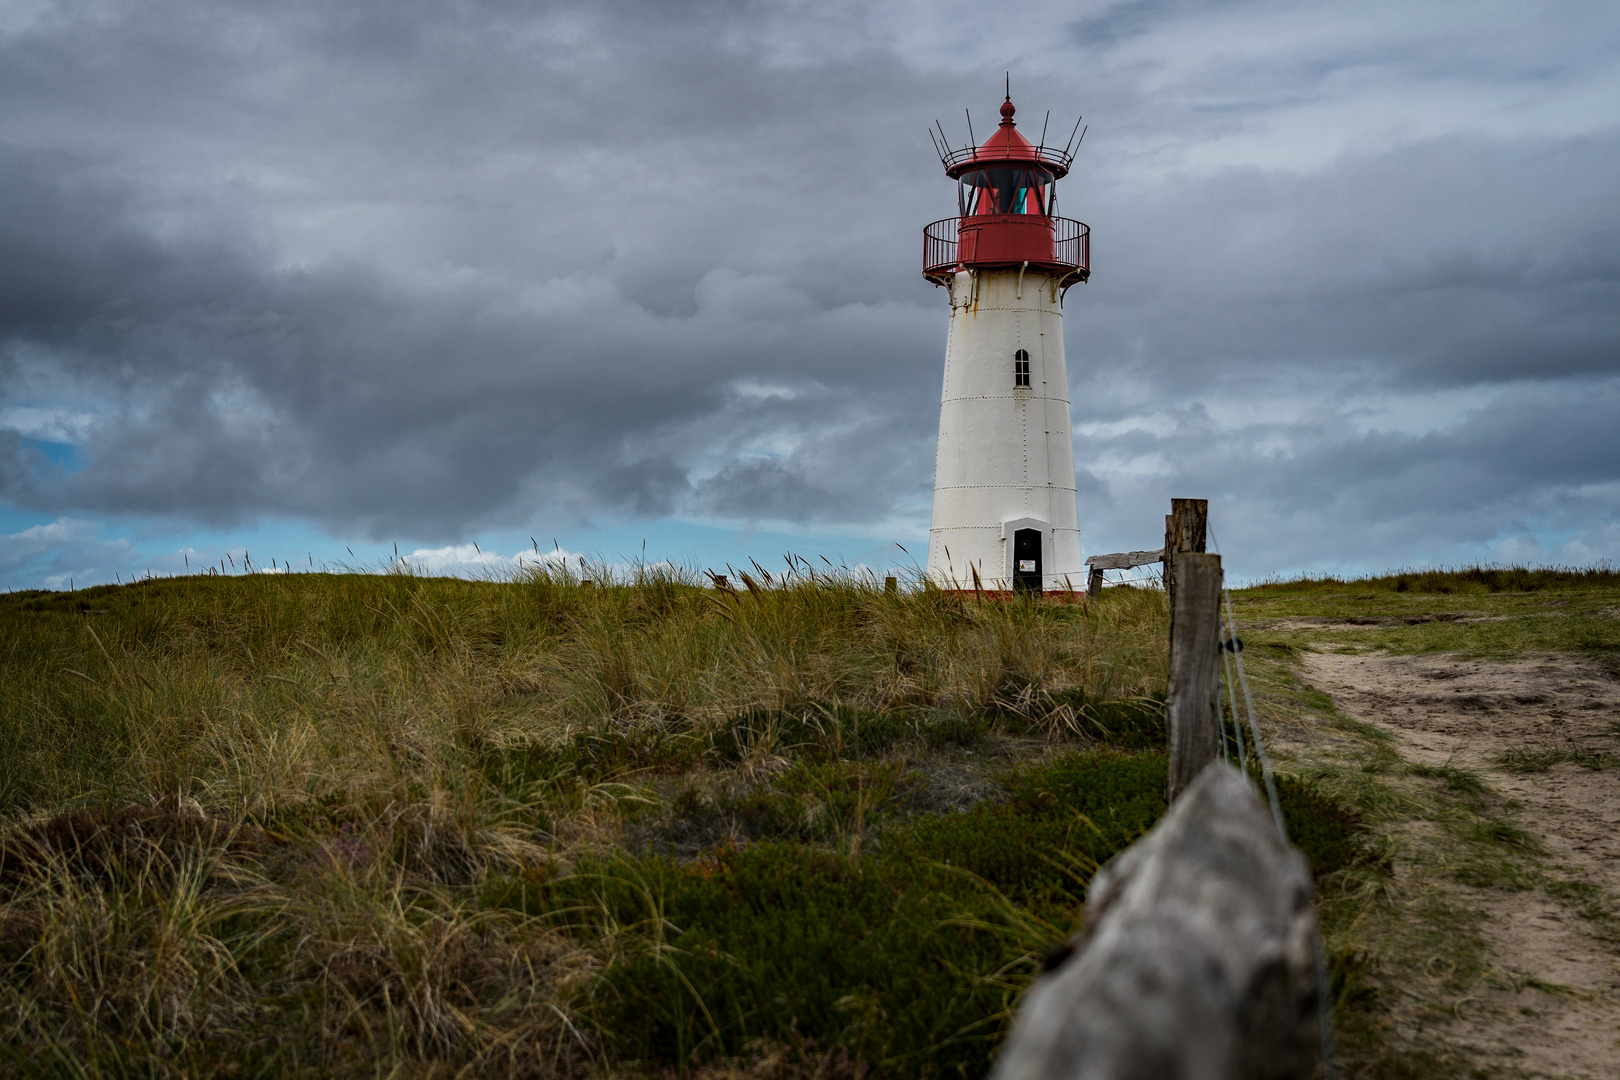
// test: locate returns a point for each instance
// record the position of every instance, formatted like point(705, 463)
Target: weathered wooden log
point(1192, 705)
point(1198, 960)
point(1125, 560)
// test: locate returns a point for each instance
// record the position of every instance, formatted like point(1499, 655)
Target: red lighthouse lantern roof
point(1007, 145)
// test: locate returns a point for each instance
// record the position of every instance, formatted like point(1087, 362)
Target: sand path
point(1444, 710)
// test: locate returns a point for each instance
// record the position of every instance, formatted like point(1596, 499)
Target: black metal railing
point(1049, 156)
point(1071, 244)
point(939, 245)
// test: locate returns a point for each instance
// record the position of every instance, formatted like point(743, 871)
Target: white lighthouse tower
point(1005, 514)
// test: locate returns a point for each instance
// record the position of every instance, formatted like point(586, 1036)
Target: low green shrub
point(911, 957)
point(1059, 822)
point(781, 941)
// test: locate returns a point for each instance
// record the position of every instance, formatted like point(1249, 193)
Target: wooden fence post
point(1191, 517)
point(1185, 528)
point(1191, 713)
point(1093, 583)
point(1198, 960)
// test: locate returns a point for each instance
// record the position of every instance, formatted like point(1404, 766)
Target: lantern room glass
point(1010, 190)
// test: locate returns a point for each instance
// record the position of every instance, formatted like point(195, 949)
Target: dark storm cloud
point(1454, 266)
point(413, 268)
point(1545, 460)
point(848, 459)
point(571, 340)
point(1128, 19)
point(1451, 261)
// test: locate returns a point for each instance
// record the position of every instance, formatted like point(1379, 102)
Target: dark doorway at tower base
point(1027, 561)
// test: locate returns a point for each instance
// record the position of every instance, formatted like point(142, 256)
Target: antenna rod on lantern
point(1048, 120)
point(971, 137)
point(1071, 134)
point(1082, 137)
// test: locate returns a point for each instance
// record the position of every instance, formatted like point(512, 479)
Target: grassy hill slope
point(385, 824)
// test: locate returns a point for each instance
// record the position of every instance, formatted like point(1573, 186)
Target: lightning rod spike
point(1071, 134)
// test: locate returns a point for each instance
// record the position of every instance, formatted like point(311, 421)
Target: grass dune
point(580, 825)
point(314, 824)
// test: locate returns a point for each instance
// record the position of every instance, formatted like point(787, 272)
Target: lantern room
point(1006, 202)
point(1006, 190)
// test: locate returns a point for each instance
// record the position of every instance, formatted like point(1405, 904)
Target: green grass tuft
point(1529, 759)
point(1463, 781)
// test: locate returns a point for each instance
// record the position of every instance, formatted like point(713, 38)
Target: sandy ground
point(1467, 712)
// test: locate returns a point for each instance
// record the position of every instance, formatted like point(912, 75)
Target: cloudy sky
point(312, 278)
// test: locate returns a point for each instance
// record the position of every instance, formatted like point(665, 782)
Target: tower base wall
point(1005, 463)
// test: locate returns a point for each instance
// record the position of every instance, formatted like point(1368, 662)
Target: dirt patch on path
point(1555, 1008)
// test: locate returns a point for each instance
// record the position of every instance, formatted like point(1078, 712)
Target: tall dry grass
point(263, 694)
point(293, 788)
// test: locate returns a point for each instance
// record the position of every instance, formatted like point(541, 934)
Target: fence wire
point(1232, 662)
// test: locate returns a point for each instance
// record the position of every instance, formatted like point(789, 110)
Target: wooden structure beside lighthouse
point(1005, 513)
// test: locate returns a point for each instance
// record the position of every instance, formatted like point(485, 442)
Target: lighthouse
point(1005, 514)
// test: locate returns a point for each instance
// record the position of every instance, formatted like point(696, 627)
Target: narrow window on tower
point(1021, 367)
